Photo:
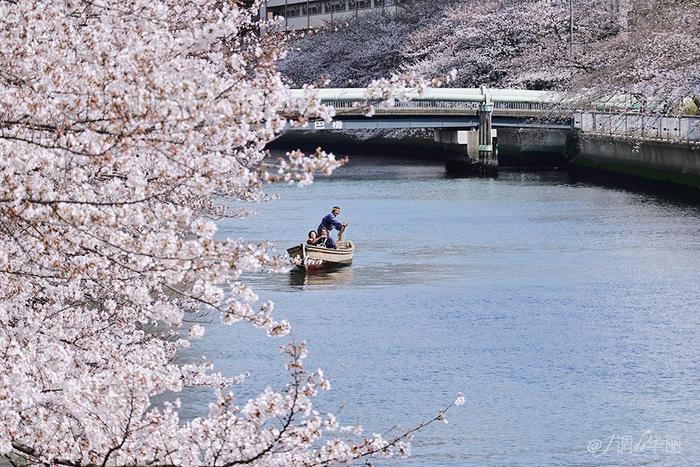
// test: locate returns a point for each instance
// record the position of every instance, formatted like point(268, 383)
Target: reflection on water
point(339, 275)
point(565, 312)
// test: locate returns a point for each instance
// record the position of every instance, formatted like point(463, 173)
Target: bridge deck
point(458, 108)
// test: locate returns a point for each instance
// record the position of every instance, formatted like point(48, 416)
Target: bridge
point(441, 108)
point(465, 120)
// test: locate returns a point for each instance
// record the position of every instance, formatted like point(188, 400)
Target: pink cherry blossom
point(121, 125)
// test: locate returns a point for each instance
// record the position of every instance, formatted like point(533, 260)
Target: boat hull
point(313, 257)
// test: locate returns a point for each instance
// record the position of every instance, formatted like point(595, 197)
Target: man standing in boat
point(329, 222)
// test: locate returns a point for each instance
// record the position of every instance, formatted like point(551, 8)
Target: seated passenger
point(328, 241)
point(316, 240)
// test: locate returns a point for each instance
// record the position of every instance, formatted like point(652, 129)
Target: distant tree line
point(646, 48)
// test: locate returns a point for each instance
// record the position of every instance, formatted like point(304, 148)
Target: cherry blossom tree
point(364, 49)
point(655, 56)
point(595, 48)
point(505, 43)
point(592, 48)
point(121, 124)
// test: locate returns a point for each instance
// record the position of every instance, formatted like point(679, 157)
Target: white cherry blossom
point(121, 125)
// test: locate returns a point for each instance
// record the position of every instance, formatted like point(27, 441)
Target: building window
point(293, 11)
point(334, 5)
point(360, 4)
point(325, 7)
point(339, 5)
point(315, 8)
point(275, 11)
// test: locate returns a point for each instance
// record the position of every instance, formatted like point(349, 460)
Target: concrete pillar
point(460, 150)
point(472, 152)
point(488, 158)
point(466, 153)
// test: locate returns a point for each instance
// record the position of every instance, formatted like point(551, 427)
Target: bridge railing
point(345, 106)
point(358, 106)
point(636, 125)
point(469, 99)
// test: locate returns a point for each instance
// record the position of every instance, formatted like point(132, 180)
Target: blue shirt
point(329, 222)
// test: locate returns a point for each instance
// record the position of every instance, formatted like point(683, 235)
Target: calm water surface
point(567, 314)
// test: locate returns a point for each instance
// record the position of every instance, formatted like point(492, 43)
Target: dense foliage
point(120, 125)
point(646, 48)
point(353, 54)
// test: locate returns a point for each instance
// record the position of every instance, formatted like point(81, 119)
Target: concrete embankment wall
point(599, 158)
point(532, 148)
point(659, 161)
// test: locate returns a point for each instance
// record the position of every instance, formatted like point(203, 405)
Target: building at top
point(306, 14)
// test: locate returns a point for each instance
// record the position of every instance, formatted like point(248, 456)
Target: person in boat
point(315, 239)
point(328, 242)
point(330, 221)
point(322, 240)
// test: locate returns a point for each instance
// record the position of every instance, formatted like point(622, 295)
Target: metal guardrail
point(351, 105)
point(435, 94)
point(635, 125)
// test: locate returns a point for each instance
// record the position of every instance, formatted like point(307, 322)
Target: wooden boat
point(316, 257)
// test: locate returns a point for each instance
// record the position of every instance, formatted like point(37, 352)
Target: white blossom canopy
point(120, 124)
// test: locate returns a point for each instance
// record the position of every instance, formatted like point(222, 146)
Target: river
point(568, 314)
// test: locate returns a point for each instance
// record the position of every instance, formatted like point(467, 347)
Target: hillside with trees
point(352, 54)
point(645, 48)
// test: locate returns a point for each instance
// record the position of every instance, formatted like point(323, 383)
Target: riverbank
point(670, 164)
point(651, 166)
